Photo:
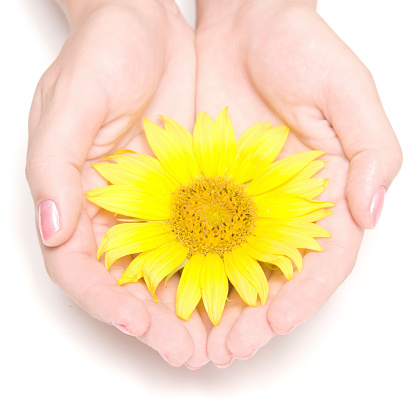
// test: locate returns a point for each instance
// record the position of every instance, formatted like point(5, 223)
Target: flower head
point(213, 208)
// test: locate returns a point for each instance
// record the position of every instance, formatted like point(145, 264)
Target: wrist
point(78, 10)
point(215, 10)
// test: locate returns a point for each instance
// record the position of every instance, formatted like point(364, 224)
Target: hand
point(279, 62)
point(120, 63)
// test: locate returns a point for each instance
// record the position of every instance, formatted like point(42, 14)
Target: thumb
point(368, 140)
point(60, 136)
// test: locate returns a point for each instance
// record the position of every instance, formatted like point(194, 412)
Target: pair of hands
point(268, 61)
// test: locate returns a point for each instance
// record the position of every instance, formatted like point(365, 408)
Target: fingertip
point(297, 302)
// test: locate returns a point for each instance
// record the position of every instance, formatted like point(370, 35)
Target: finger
point(322, 273)
point(217, 349)
point(166, 333)
point(58, 146)
point(74, 267)
point(167, 294)
point(368, 140)
point(252, 330)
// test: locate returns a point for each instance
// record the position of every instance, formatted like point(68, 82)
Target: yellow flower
point(213, 207)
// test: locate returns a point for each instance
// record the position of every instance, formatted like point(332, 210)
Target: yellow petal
point(162, 261)
point(312, 216)
point(214, 286)
point(189, 292)
point(307, 228)
point(311, 169)
point(175, 129)
point(271, 246)
point(293, 237)
point(133, 272)
point(252, 271)
point(288, 206)
point(285, 265)
point(258, 254)
point(280, 172)
point(132, 201)
point(244, 288)
point(174, 151)
point(306, 188)
point(214, 144)
point(124, 234)
point(130, 175)
point(136, 247)
point(256, 149)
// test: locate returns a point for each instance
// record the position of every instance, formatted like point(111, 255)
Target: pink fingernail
point(123, 329)
point(168, 361)
point(246, 357)
point(223, 366)
point(48, 219)
point(283, 332)
point(191, 367)
point(377, 204)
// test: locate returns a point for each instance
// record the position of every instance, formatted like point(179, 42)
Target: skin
point(131, 59)
point(114, 69)
point(280, 62)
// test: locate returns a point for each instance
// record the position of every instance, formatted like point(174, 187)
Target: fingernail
point(168, 361)
point(48, 219)
point(223, 366)
point(123, 329)
point(283, 332)
point(246, 357)
point(191, 367)
point(377, 204)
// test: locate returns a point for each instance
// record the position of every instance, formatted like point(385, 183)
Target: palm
point(264, 75)
point(123, 74)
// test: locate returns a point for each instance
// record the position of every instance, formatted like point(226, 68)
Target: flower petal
point(124, 234)
point(244, 288)
point(285, 265)
point(307, 228)
point(288, 206)
point(135, 247)
point(256, 149)
point(280, 172)
point(189, 292)
point(306, 188)
point(132, 201)
point(252, 271)
point(129, 175)
point(162, 261)
point(214, 144)
point(311, 169)
point(174, 151)
point(134, 271)
point(312, 216)
point(271, 246)
point(214, 286)
point(293, 237)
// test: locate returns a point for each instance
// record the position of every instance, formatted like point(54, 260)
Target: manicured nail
point(123, 329)
point(168, 361)
point(48, 219)
point(248, 356)
point(283, 332)
point(223, 366)
point(191, 367)
point(377, 204)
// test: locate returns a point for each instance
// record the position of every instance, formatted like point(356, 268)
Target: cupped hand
point(279, 62)
point(120, 63)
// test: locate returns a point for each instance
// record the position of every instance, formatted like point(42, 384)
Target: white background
point(357, 354)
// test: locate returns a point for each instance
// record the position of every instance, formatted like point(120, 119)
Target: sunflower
point(213, 208)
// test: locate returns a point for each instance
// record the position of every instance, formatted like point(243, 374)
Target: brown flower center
point(212, 215)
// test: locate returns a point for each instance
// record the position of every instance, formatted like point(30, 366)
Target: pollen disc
point(212, 215)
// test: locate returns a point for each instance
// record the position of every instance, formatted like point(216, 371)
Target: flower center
point(212, 215)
